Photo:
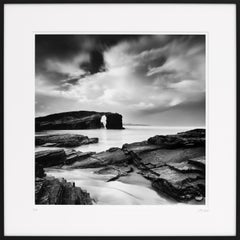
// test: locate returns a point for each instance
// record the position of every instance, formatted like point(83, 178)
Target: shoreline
point(160, 168)
point(126, 190)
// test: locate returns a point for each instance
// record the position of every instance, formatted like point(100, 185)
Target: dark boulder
point(198, 162)
point(113, 156)
point(186, 167)
point(189, 139)
point(49, 158)
point(191, 189)
point(50, 190)
point(182, 186)
point(177, 155)
point(63, 140)
point(139, 147)
point(114, 121)
point(76, 156)
point(195, 133)
point(39, 171)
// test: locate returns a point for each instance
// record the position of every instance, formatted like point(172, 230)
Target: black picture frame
point(2, 109)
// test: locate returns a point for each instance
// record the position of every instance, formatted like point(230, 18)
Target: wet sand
point(127, 190)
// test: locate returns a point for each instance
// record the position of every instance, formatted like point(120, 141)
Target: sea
point(128, 190)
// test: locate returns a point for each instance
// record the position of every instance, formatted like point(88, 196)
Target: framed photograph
point(119, 119)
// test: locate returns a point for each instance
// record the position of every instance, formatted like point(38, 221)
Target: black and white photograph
point(120, 119)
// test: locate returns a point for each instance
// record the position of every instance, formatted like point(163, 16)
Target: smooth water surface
point(116, 138)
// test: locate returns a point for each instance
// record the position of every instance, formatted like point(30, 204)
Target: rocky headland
point(174, 164)
point(78, 120)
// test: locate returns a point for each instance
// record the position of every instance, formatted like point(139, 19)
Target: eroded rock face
point(50, 190)
point(195, 133)
point(178, 155)
point(39, 171)
point(63, 140)
point(183, 182)
point(198, 162)
point(175, 164)
point(185, 190)
point(189, 139)
point(140, 147)
point(109, 157)
point(114, 121)
point(49, 158)
point(77, 156)
point(59, 158)
point(78, 120)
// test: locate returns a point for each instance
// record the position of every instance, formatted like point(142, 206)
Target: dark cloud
point(95, 64)
point(56, 46)
point(65, 47)
point(145, 64)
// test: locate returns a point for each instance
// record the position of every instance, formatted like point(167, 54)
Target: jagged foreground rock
point(175, 164)
point(61, 158)
point(49, 158)
point(76, 159)
point(49, 190)
point(113, 156)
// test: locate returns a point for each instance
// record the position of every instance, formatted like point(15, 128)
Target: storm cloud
point(151, 79)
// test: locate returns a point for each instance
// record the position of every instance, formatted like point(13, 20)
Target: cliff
point(78, 120)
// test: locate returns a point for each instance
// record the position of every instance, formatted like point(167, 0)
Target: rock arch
point(104, 121)
point(78, 120)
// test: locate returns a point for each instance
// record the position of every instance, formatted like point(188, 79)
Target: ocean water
point(133, 189)
point(116, 138)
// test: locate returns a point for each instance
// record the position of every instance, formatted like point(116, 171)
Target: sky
point(149, 79)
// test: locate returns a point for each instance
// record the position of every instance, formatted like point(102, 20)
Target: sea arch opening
point(104, 121)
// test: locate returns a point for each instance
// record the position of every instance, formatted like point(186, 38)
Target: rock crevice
point(50, 190)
